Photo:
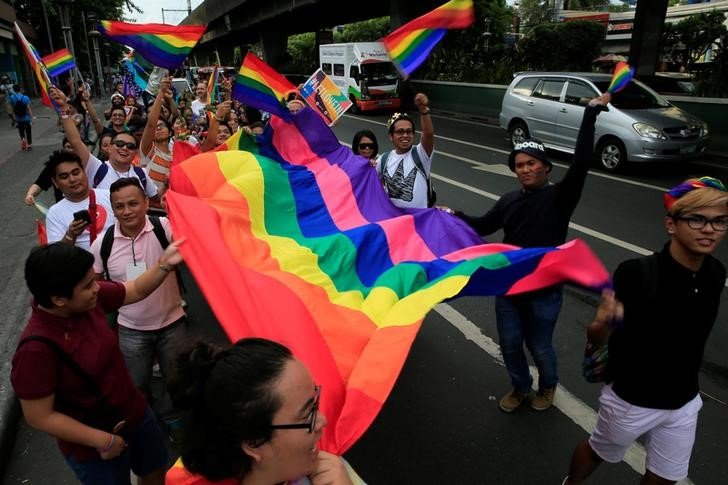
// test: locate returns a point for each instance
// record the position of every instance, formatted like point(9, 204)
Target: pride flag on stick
point(36, 64)
point(623, 74)
point(59, 62)
point(409, 45)
point(259, 85)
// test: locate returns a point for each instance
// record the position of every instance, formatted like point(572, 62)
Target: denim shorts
point(146, 452)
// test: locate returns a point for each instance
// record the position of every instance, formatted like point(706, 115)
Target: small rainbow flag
point(37, 66)
point(59, 62)
point(259, 85)
point(41, 232)
point(409, 45)
point(623, 74)
point(299, 243)
point(162, 45)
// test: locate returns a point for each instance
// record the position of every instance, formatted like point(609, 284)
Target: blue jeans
point(140, 347)
point(529, 318)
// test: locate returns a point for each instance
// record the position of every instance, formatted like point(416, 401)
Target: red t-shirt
point(87, 339)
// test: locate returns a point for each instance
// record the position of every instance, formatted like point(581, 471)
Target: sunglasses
point(310, 423)
point(366, 146)
point(403, 131)
point(129, 145)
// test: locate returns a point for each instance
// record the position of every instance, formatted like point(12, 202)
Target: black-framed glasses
point(129, 145)
point(366, 146)
point(310, 423)
point(697, 221)
point(403, 131)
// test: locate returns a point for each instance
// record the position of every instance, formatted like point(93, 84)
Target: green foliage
point(237, 56)
point(568, 46)
point(533, 13)
point(688, 40)
point(302, 53)
point(366, 31)
point(622, 7)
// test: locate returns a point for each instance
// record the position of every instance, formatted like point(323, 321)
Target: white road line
point(566, 402)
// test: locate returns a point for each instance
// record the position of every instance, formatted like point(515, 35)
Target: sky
point(152, 11)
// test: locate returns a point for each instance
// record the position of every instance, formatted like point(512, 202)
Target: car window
point(338, 69)
point(326, 67)
point(549, 89)
point(634, 96)
point(525, 86)
point(576, 91)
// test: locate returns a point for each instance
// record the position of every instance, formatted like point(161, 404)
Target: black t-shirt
point(656, 353)
point(45, 182)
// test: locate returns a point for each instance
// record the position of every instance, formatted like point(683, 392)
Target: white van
point(365, 72)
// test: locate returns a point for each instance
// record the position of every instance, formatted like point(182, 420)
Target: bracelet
point(64, 116)
point(68, 238)
point(219, 120)
point(165, 267)
point(108, 446)
point(426, 112)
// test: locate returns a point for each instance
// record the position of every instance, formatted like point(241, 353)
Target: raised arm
point(153, 117)
point(223, 109)
point(69, 127)
point(98, 126)
point(428, 131)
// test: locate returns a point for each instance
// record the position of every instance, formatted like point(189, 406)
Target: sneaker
point(512, 400)
point(29, 147)
point(23, 144)
point(543, 399)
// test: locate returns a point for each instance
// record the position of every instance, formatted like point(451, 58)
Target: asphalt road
point(441, 423)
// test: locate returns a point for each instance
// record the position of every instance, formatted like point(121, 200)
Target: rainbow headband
point(672, 195)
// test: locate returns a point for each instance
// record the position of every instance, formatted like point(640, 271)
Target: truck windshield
point(634, 96)
point(379, 73)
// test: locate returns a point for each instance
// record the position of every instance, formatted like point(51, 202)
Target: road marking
point(566, 402)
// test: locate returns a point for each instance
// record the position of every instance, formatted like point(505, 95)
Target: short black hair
point(127, 133)
point(398, 117)
point(126, 182)
point(16, 88)
point(361, 134)
point(61, 156)
point(55, 270)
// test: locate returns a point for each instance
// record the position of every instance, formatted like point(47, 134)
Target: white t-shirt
point(60, 216)
point(406, 186)
point(197, 106)
point(112, 175)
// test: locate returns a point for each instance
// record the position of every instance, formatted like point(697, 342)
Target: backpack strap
point(159, 231)
point(100, 174)
point(421, 168)
point(383, 164)
point(105, 251)
point(142, 175)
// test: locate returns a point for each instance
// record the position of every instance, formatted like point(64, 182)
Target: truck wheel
point(611, 155)
point(354, 108)
point(518, 132)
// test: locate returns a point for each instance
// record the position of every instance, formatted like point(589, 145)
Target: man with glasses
point(405, 171)
point(663, 307)
point(122, 151)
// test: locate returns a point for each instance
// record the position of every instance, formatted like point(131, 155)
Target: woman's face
point(130, 101)
point(365, 147)
point(292, 453)
point(223, 133)
point(180, 125)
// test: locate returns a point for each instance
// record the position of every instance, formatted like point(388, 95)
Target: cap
point(531, 146)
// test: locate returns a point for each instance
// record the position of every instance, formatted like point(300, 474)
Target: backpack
point(104, 169)
point(431, 194)
point(19, 107)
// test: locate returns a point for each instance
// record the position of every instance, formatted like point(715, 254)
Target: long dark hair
point(361, 134)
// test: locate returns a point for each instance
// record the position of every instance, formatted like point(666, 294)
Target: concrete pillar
point(649, 21)
point(275, 49)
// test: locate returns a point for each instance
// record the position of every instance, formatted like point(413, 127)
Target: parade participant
point(365, 144)
point(73, 220)
point(6, 89)
point(45, 181)
point(405, 171)
point(156, 155)
point(182, 131)
point(536, 215)
point(117, 101)
point(23, 116)
point(218, 132)
point(70, 376)
point(122, 151)
point(154, 327)
point(252, 417)
point(199, 104)
point(663, 307)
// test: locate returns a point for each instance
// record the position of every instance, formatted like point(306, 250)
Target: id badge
point(133, 271)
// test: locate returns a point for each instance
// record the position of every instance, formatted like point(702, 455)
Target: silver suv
point(639, 125)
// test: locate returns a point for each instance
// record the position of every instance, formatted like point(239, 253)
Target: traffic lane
point(442, 424)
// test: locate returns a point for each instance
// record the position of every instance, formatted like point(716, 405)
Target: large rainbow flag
point(37, 66)
point(257, 84)
point(162, 45)
point(409, 45)
point(59, 62)
point(299, 243)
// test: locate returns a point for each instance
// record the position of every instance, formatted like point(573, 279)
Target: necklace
point(120, 174)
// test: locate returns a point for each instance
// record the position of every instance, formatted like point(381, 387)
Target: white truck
point(365, 72)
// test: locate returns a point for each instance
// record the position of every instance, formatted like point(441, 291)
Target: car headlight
point(648, 131)
point(704, 131)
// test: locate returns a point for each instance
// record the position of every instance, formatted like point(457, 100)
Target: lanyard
point(92, 212)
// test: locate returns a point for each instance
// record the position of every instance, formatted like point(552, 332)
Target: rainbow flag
point(162, 45)
point(409, 45)
point(623, 74)
point(257, 84)
point(41, 233)
point(139, 69)
point(37, 66)
point(212, 86)
point(300, 244)
point(59, 62)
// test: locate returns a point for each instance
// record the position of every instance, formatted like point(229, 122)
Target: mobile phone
point(82, 215)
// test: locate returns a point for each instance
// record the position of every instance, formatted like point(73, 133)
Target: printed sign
point(324, 96)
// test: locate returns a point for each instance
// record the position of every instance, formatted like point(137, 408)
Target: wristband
point(68, 238)
point(165, 267)
point(219, 120)
point(108, 446)
point(426, 112)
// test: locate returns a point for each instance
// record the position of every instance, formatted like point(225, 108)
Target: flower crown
point(396, 117)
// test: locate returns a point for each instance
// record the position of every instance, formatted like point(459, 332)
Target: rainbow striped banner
point(299, 243)
point(59, 62)
point(623, 74)
point(257, 84)
point(409, 45)
point(162, 45)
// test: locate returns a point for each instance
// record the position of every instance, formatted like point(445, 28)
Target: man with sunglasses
point(405, 171)
point(663, 307)
point(122, 151)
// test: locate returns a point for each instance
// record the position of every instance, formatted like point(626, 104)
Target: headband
point(672, 195)
point(396, 117)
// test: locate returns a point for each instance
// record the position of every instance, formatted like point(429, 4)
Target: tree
point(302, 52)
point(568, 46)
point(533, 13)
point(365, 31)
point(688, 40)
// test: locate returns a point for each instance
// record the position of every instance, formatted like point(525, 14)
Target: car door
point(542, 107)
point(571, 110)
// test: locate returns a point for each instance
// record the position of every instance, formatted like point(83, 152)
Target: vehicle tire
point(611, 155)
point(354, 108)
point(518, 132)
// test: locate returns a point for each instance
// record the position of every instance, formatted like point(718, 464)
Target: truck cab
point(363, 71)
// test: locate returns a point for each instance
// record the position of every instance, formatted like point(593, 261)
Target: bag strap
point(100, 173)
point(383, 164)
point(105, 250)
point(159, 231)
point(93, 231)
point(142, 175)
point(66, 359)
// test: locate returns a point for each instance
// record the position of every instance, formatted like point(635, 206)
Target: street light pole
point(94, 34)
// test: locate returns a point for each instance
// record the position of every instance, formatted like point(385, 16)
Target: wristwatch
point(426, 112)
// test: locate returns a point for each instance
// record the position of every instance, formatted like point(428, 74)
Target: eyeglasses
point(697, 221)
point(118, 115)
point(366, 146)
point(403, 131)
point(129, 145)
point(310, 423)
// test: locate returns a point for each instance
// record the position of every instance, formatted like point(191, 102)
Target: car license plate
point(384, 103)
point(688, 149)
